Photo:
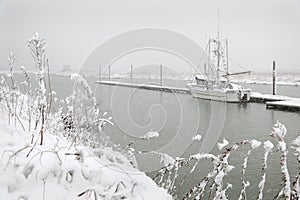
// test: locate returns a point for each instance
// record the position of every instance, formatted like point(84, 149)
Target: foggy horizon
point(258, 31)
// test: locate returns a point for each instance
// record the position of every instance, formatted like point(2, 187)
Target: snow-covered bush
point(80, 117)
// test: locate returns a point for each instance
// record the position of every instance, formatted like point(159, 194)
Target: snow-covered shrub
point(80, 116)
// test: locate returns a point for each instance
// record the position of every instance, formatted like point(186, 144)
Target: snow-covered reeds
point(268, 146)
point(83, 119)
point(37, 50)
point(213, 184)
point(296, 189)
point(10, 93)
point(279, 132)
point(27, 96)
point(254, 144)
point(12, 90)
point(221, 168)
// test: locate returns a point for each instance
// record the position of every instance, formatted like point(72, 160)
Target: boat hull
point(234, 96)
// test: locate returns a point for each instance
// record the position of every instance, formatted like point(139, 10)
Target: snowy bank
point(55, 171)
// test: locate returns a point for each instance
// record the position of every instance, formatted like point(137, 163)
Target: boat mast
point(218, 43)
point(209, 62)
point(227, 67)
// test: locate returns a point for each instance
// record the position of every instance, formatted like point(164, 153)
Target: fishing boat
point(214, 83)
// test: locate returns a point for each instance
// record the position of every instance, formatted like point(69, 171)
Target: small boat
point(214, 83)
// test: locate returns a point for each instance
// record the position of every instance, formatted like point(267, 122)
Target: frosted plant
point(29, 97)
point(198, 190)
point(37, 49)
point(278, 133)
point(268, 146)
point(197, 137)
point(223, 144)
point(12, 91)
point(168, 174)
point(220, 170)
point(296, 188)
point(253, 144)
point(130, 150)
point(6, 97)
point(83, 114)
point(150, 134)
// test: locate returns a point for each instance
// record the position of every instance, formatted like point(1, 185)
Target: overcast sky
point(259, 31)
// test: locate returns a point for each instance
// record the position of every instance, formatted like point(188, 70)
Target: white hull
point(242, 95)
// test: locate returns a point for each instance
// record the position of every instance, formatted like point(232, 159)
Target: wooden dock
point(288, 105)
point(277, 102)
point(148, 87)
point(263, 98)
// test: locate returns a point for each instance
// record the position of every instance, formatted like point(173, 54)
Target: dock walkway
point(148, 87)
point(278, 102)
point(263, 98)
point(290, 105)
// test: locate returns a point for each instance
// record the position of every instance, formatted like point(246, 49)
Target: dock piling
point(161, 76)
point(131, 74)
point(99, 78)
point(109, 72)
point(274, 78)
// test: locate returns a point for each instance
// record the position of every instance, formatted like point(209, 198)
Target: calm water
point(179, 117)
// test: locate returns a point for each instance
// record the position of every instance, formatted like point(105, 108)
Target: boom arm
point(237, 73)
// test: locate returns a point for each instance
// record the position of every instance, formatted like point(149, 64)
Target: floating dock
point(277, 102)
point(289, 105)
point(147, 87)
point(263, 98)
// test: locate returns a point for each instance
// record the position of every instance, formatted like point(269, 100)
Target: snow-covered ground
point(57, 172)
point(255, 78)
point(266, 78)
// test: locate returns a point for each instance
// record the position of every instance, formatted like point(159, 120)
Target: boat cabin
point(201, 79)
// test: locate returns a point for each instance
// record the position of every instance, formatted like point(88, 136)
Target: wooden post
point(161, 76)
point(274, 78)
point(131, 74)
point(108, 72)
point(99, 78)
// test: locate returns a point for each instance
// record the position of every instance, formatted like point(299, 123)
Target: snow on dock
point(263, 98)
point(289, 105)
point(147, 87)
point(277, 102)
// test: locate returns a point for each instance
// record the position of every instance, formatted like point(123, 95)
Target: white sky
point(259, 31)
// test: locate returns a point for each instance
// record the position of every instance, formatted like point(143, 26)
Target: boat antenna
point(218, 23)
point(218, 43)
